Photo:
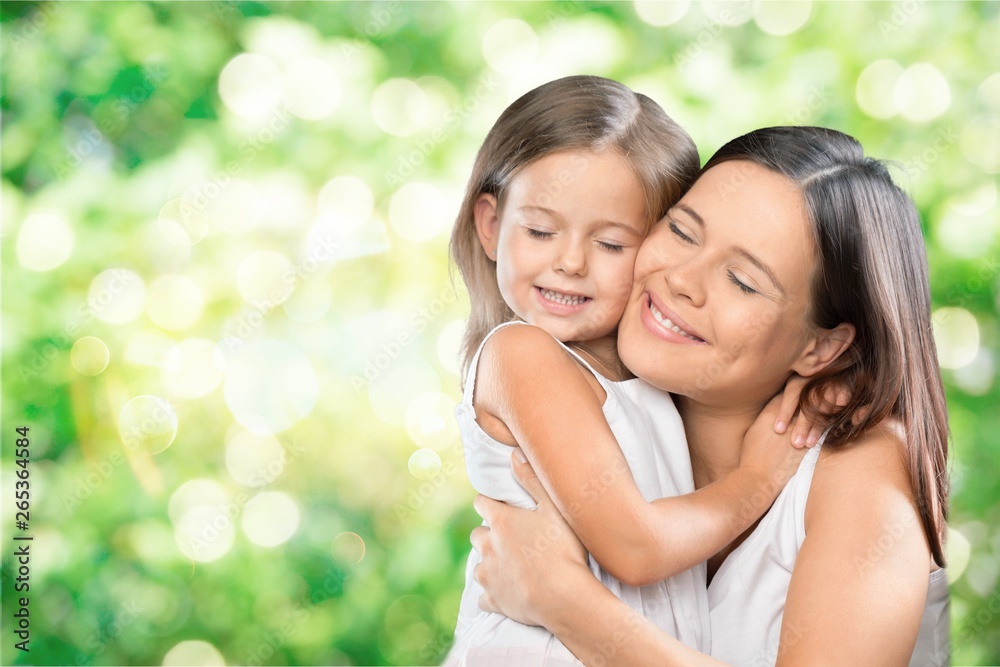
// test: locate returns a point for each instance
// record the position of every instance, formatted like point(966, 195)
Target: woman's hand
point(526, 554)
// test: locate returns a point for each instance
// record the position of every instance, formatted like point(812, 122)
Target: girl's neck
point(603, 351)
point(715, 437)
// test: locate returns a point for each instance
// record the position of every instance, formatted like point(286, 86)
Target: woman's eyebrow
point(750, 257)
point(743, 252)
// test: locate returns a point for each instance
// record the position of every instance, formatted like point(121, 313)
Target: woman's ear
point(823, 350)
point(487, 223)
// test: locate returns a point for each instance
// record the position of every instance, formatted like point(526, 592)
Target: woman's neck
point(715, 437)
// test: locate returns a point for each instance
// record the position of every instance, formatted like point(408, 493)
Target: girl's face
point(566, 241)
point(720, 307)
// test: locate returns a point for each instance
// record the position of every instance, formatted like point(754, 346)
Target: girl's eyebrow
point(528, 208)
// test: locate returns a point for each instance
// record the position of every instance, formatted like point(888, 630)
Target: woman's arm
point(865, 556)
point(542, 396)
point(856, 596)
point(534, 570)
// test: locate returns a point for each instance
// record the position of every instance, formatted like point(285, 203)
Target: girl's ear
point(487, 223)
point(823, 350)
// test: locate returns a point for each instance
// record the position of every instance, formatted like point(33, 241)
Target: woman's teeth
point(668, 324)
point(567, 299)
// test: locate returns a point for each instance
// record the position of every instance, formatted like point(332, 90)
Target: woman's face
point(720, 303)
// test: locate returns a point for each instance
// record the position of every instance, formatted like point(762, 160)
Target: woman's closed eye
point(746, 289)
point(681, 235)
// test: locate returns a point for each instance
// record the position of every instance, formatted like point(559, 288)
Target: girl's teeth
point(668, 324)
point(565, 299)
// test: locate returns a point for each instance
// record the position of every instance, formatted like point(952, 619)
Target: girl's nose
point(572, 259)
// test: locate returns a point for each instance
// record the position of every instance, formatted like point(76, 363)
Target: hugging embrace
point(702, 407)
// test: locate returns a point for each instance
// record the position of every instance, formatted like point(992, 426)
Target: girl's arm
point(856, 595)
point(527, 382)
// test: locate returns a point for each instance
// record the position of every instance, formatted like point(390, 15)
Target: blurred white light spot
point(189, 370)
point(347, 200)
point(976, 378)
point(730, 13)
point(250, 85)
point(265, 278)
point(922, 93)
point(424, 464)
point(312, 89)
point(149, 348)
point(964, 235)
point(196, 493)
point(89, 356)
point(989, 91)
point(430, 420)
point(254, 459)
point(44, 242)
point(175, 302)
point(956, 334)
point(981, 143)
point(781, 18)
point(394, 386)
point(874, 91)
point(976, 201)
point(309, 302)
point(417, 212)
point(400, 107)
point(148, 423)
point(193, 654)
point(117, 295)
point(270, 518)
point(509, 46)
point(449, 345)
point(203, 516)
point(270, 386)
point(237, 208)
point(348, 548)
point(659, 13)
point(182, 223)
point(957, 552)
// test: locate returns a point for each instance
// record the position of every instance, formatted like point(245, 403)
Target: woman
point(793, 254)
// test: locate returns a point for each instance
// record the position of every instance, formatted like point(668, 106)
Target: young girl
point(566, 186)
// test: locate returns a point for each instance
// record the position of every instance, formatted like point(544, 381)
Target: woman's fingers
point(487, 508)
point(527, 478)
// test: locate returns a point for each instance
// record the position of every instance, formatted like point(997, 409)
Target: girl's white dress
point(747, 594)
point(651, 436)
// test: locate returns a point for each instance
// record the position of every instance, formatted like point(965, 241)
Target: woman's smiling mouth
point(666, 324)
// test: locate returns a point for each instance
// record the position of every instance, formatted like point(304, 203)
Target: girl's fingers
point(813, 437)
point(800, 431)
point(789, 404)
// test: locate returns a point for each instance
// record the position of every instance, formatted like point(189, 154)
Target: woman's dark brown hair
point(872, 274)
point(573, 113)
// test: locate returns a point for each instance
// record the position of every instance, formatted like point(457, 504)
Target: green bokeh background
point(357, 124)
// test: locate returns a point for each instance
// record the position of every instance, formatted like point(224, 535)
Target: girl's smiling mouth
point(561, 303)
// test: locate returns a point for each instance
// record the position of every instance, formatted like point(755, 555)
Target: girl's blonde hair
point(572, 113)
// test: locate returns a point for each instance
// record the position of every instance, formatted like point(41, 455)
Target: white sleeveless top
point(651, 436)
point(747, 594)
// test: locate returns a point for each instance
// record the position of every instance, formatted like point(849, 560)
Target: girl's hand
point(805, 432)
point(525, 553)
point(769, 454)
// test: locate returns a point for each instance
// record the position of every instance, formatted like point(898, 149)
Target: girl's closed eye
point(611, 247)
point(537, 233)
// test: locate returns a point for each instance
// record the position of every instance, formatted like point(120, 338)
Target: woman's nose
point(686, 280)
point(572, 259)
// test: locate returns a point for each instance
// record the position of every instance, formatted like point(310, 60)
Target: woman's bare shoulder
point(864, 475)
